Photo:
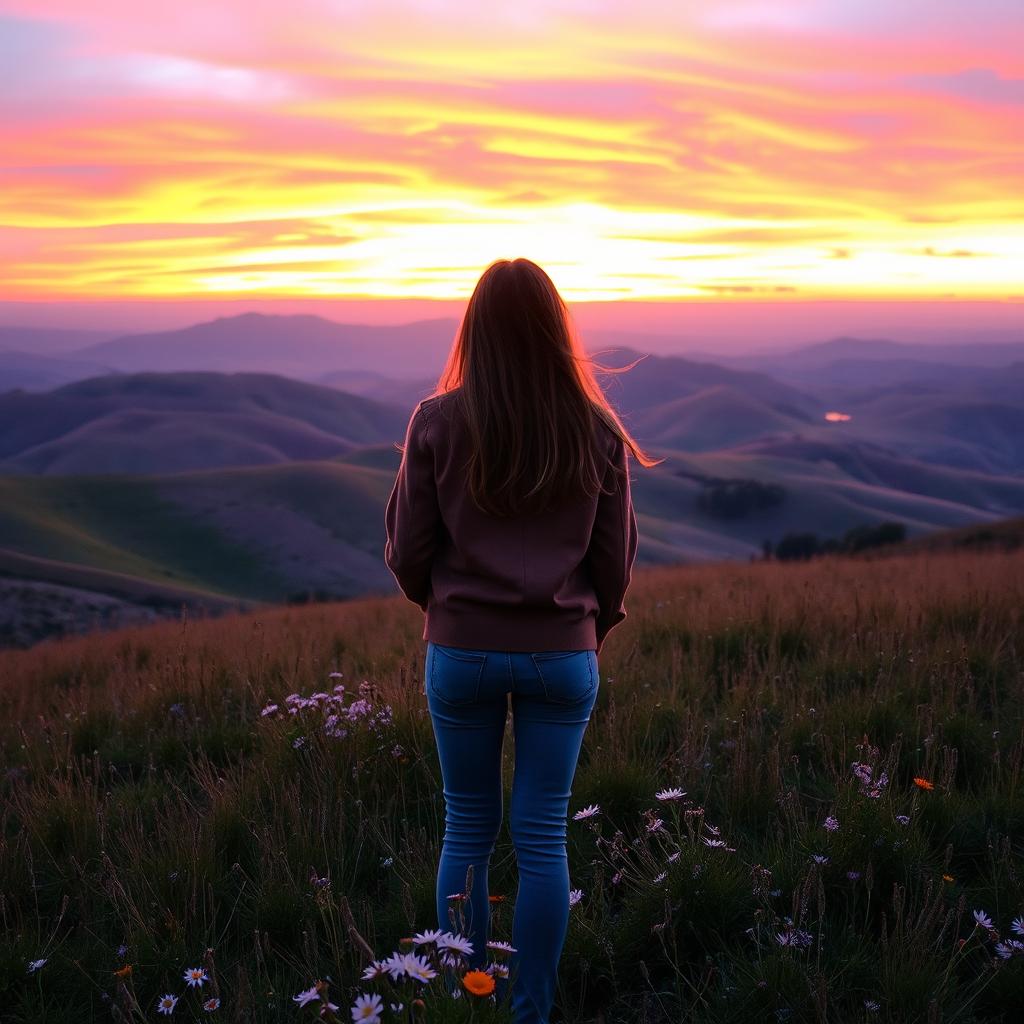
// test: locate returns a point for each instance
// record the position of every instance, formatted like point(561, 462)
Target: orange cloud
point(393, 149)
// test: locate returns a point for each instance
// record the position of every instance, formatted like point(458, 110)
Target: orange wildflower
point(947, 878)
point(480, 983)
point(123, 972)
point(922, 783)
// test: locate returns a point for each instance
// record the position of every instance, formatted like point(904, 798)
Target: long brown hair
point(528, 394)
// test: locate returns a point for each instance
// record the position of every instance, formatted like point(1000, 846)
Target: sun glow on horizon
point(665, 155)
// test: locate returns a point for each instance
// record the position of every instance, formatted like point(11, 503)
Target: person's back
point(511, 525)
point(552, 580)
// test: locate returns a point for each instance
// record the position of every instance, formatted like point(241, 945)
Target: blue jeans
point(553, 694)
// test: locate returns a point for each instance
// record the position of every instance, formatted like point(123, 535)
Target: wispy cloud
point(394, 149)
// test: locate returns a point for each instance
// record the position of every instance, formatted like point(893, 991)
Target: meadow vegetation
point(800, 798)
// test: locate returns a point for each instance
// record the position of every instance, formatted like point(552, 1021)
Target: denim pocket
point(568, 677)
point(455, 674)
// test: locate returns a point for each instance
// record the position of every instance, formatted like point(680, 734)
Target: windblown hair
point(529, 396)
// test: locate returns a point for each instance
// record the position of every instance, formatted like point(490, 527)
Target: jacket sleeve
point(613, 544)
point(412, 516)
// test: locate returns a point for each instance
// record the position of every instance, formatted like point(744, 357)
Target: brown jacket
point(553, 581)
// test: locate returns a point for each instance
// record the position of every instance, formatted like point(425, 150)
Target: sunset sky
point(373, 151)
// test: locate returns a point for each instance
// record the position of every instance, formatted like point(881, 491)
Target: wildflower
point(655, 824)
point(166, 1004)
point(1018, 925)
point(268, 710)
point(306, 996)
point(123, 972)
point(419, 968)
point(211, 1004)
point(375, 970)
point(853, 875)
point(922, 783)
point(459, 943)
point(35, 965)
point(498, 970)
point(587, 812)
point(195, 976)
point(719, 844)
point(1011, 947)
point(503, 947)
point(671, 794)
point(450, 959)
point(456, 896)
point(871, 1005)
point(798, 938)
point(673, 857)
point(902, 819)
point(616, 878)
point(387, 862)
point(819, 858)
point(430, 935)
point(368, 1008)
point(396, 1007)
point(298, 742)
point(575, 895)
point(831, 823)
point(121, 951)
point(983, 919)
point(713, 829)
point(947, 878)
point(661, 877)
point(479, 983)
point(395, 965)
point(335, 675)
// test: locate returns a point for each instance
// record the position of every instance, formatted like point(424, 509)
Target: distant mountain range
point(251, 486)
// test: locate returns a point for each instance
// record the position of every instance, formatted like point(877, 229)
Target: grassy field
point(848, 734)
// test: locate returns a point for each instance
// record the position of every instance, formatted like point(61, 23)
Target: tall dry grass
point(148, 804)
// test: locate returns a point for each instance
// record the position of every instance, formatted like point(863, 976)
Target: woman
point(511, 525)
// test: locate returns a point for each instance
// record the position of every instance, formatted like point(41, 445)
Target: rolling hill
point(303, 346)
point(150, 422)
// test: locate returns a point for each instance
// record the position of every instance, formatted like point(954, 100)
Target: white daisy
point(166, 1004)
point(587, 812)
point(831, 823)
point(419, 968)
point(983, 919)
point(498, 970)
point(459, 943)
point(502, 946)
point(195, 976)
point(661, 877)
point(430, 935)
point(575, 895)
point(367, 1008)
point(395, 965)
point(1018, 925)
point(671, 794)
point(306, 996)
point(375, 970)
point(1011, 947)
point(34, 965)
